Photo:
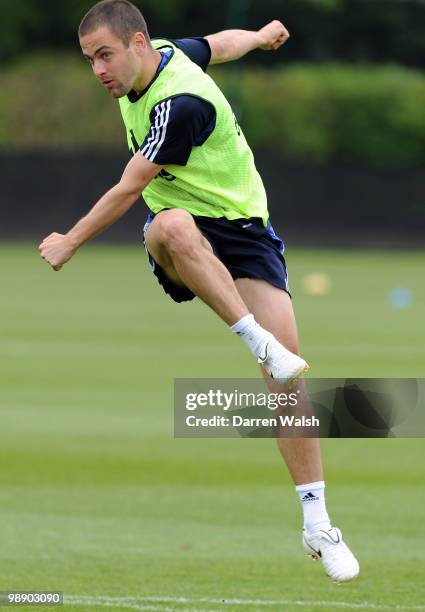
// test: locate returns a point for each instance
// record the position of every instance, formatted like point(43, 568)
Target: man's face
point(116, 66)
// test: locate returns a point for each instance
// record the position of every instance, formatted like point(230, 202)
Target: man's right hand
point(273, 36)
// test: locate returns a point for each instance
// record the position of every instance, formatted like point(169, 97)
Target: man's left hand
point(56, 249)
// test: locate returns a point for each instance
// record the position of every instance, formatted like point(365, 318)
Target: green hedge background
point(308, 112)
point(378, 31)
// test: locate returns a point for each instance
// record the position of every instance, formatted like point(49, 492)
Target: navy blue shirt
point(182, 121)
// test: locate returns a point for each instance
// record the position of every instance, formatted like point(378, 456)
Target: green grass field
point(99, 501)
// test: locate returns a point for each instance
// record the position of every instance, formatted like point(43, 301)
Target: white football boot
point(280, 363)
point(328, 546)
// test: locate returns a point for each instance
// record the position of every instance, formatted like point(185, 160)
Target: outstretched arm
point(57, 249)
point(233, 44)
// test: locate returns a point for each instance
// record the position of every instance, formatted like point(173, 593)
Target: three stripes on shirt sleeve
point(158, 131)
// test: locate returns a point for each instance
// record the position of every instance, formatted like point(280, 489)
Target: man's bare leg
point(187, 258)
point(272, 307)
point(273, 310)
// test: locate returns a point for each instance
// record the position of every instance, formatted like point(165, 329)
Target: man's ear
point(140, 42)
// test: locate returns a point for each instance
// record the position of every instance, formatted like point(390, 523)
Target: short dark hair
point(120, 16)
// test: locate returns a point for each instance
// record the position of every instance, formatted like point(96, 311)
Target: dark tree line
point(322, 30)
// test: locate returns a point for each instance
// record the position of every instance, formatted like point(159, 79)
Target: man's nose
point(99, 68)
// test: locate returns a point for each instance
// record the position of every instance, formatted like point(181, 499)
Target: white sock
point(312, 498)
point(254, 336)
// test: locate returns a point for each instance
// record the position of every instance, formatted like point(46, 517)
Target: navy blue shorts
point(246, 248)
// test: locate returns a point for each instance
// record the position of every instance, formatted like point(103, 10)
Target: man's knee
point(173, 230)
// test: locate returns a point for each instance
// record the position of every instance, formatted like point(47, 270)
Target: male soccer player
point(208, 233)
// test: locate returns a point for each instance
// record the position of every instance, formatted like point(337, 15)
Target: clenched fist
point(273, 36)
point(56, 249)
